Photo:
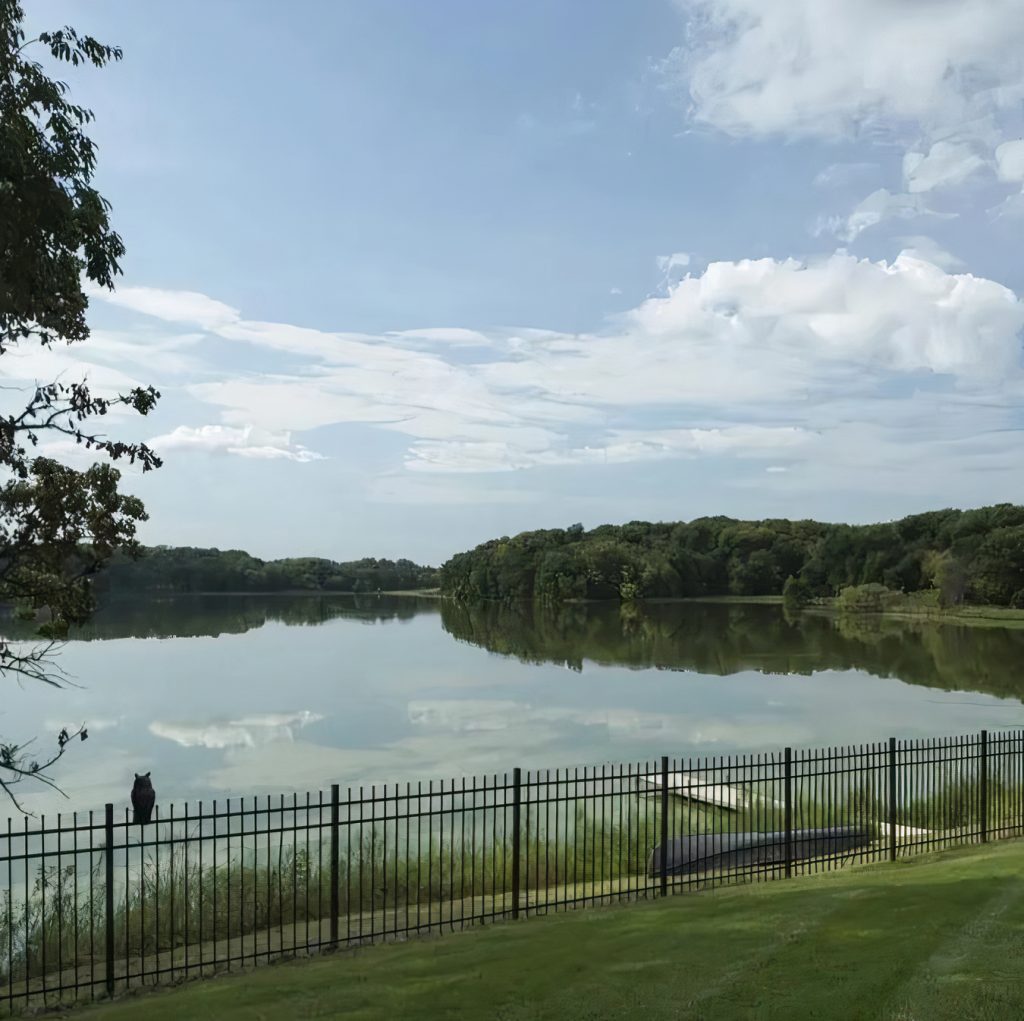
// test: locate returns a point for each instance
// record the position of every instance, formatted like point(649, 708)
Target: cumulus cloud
point(732, 360)
point(244, 442)
point(943, 80)
point(841, 69)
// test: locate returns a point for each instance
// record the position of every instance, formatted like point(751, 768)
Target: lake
point(233, 695)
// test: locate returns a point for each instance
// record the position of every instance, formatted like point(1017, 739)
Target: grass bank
point(933, 938)
point(420, 593)
point(924, 606)
point(912, 606)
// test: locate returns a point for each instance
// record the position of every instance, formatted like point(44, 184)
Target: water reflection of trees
point(212, 615)
point(724, 639)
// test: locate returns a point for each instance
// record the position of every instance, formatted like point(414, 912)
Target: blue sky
point(413, 275)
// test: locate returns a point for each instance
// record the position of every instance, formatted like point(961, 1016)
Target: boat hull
point(707, 852)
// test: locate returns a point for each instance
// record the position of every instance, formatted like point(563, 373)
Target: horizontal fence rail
point(93, 905)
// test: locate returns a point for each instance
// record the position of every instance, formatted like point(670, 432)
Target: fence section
point(90, 906)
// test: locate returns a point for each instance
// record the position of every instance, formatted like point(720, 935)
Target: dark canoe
point(707, 852)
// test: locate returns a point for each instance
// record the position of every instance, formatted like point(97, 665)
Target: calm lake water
point(241, 695)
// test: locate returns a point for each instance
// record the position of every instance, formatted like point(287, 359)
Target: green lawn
point(933, 938)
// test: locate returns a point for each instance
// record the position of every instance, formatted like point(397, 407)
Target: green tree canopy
point(973, 556)
point(58, 525)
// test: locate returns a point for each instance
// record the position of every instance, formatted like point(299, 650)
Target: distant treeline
point(974, 556)
point(187, 569)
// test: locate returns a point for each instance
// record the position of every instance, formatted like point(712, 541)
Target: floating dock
point(694, 788)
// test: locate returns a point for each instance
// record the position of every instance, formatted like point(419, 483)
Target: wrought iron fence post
point(788, 795)
point(335, 909)
point(664, 825)
point(892, 799)
point(108, 858)
point(516, 838)
point(984, 786)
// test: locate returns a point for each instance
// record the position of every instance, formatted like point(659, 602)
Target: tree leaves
point(977, 555)
point(58, 525)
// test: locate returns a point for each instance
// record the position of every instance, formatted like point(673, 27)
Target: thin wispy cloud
point(741, 360)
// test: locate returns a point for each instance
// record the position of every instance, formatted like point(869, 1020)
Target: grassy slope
point(910, 608)
point(934, 938)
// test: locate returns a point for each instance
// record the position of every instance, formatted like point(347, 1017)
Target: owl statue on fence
point(143, 799)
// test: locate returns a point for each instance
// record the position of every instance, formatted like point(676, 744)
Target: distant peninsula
point(187, 569)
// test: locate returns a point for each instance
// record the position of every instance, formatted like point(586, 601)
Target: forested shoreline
point(173, 569)
point(973, 556)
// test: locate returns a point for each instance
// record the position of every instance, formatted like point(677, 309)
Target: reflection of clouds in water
point(674, 729)
point(466, 714)
point(245, 732)
point(265, 752)
point(492, 738)
point(300, 765)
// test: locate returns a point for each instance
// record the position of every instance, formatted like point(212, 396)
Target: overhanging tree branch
point(58, 525)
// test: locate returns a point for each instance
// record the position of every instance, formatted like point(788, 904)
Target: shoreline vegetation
point(946, 566)
point(938, 561)
point(903, 606)
point(187, 570)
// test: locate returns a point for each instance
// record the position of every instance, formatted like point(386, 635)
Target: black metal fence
point(94, 904)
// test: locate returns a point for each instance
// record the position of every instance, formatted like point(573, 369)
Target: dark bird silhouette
point(143, 799)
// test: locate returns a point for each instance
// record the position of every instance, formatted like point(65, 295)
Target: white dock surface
point(685, 785)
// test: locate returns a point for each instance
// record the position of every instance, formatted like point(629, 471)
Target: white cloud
point(943, 79)
point(31, 364)
point(1010, 167)
point(878, 207)
point(677, 260)
point(839, 68)
point(244, 442)
point(1010, 160)
point(625, 447)
point(920, 246)
point(94, 725)
point(945, 164)
point(173, 306)
point(448, 336)
point(733, 361)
